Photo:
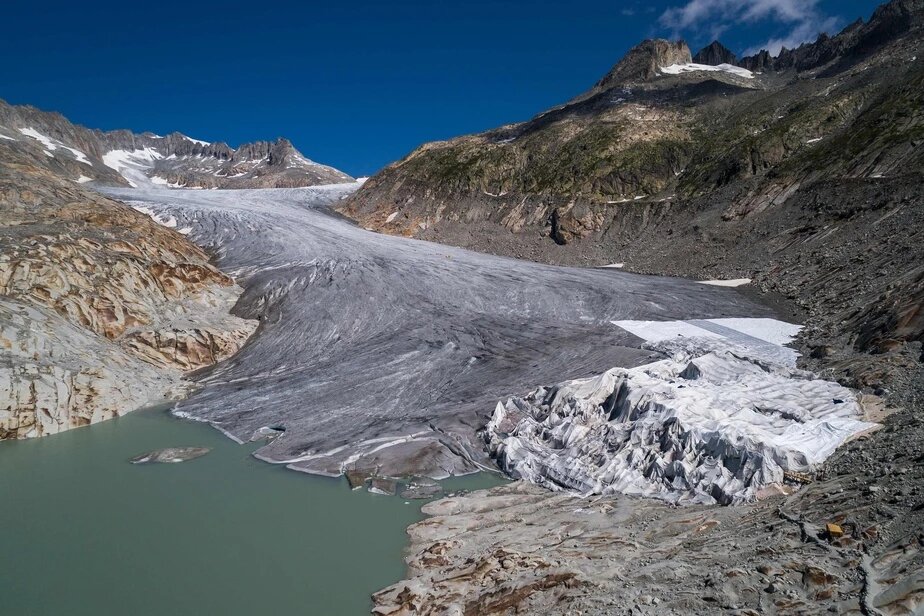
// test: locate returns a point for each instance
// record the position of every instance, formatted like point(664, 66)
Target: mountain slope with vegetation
point(803, 175)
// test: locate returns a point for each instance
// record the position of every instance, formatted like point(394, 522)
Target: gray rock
point(170, 455)
point(381, 485)
point(421, 489)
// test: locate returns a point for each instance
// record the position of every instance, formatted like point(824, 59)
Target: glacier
point(387, 355)
point(722, 419)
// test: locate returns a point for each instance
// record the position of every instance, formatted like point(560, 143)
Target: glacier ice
point(389, 354)
point(715, 422)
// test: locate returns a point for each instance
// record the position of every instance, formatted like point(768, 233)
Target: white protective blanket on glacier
point(726, 414)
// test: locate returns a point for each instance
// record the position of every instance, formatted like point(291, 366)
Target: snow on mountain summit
point(171, 160)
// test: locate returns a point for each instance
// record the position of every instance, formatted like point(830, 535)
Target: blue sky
point(359, 84)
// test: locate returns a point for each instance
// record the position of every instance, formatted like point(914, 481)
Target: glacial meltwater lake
point(88, 533)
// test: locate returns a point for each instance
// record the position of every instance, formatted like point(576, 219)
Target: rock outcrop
point(715, 53)
point(643, 61)
point(521, 549)
point(101, 309)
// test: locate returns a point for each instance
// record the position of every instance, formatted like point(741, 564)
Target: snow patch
point(132, 164)
point(84, 179)
point(199, 141)
point(758, 337)
point(689, 67)
point(31, 132)
point(53, 144)
point(734, 282)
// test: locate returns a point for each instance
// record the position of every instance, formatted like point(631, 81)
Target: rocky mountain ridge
point(715, 53)
point(102, 309)
point(121, 157)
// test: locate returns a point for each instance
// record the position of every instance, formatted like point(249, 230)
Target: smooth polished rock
point(170, 455)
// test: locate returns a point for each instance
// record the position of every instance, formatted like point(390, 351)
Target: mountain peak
point(642, 61)
point(715, 53)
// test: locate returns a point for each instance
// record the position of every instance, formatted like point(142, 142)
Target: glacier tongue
point(714, 423)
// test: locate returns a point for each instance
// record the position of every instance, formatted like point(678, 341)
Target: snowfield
point(53, 144)
point(676, 69)
point(132, 164)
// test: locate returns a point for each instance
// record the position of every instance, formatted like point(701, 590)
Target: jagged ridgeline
point(780, 168)
point(121, 157)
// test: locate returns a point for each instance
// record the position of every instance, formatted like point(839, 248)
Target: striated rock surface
point(102, 310)
point(520, 549)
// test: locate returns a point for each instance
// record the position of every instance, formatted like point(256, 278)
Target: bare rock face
point(643, 61)
point(715, 53)
point(55, 375)
point(103, 310)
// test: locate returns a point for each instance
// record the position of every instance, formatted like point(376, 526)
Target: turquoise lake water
point(88, 533)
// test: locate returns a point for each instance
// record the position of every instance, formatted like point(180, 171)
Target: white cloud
point(804, 32)
point(716, 16)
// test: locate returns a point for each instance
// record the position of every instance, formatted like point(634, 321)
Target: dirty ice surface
point(384, 353)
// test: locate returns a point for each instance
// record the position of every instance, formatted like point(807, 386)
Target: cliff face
point(782, 177)
point(644, 61)
point(715, 53)
point(101, 309)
